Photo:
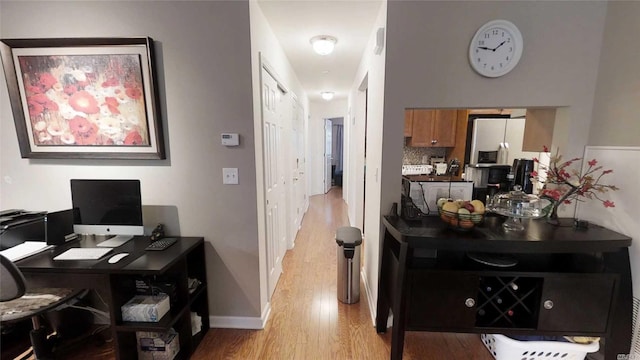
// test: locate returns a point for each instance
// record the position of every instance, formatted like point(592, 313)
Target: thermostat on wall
point(230, 139)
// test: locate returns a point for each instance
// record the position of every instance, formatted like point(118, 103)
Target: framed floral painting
point(90, 98)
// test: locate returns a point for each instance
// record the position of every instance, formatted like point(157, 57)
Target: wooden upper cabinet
point(538, 129)
point(408, 123)
point(433, 128)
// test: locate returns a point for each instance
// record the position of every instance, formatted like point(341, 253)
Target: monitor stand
point(116, 241)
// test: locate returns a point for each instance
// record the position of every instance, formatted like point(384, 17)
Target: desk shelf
point(183, 303)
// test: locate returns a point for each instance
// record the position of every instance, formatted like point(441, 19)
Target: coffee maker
point(521, 171)
point(488, 180)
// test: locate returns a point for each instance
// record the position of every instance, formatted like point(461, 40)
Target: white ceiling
point(296, 22)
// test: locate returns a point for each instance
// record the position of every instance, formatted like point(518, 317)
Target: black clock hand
point(484, 48)
point(496, 48)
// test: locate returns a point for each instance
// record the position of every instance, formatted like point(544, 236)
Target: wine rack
point(508, 301)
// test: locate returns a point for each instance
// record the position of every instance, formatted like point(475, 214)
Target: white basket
point(504, 348)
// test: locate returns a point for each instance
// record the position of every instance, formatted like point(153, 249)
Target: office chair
point(16, 304)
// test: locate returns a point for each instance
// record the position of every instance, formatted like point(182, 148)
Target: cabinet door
point(408, 123)
point(576, 303)
point(444, 128)
point(422, 125)
point(538, 130)
point(433, 128)
point(441, 300)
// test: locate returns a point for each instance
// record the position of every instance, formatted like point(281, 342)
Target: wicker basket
point(460, 222)
point(504, 348)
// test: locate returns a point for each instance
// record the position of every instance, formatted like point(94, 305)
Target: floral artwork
point(564, 184)
point(85, 100)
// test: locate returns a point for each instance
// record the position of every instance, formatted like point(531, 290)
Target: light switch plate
point(230, 176)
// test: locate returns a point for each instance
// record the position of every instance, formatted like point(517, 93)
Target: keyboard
point(83, 254)
point(161, 244)
point(115, 241)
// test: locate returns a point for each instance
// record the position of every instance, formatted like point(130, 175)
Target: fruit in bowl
point(461, 214)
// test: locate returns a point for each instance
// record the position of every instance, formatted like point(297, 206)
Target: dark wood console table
point(566, 281)
point(116, 282)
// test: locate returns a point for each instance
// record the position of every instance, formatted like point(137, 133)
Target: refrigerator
point(488, 133)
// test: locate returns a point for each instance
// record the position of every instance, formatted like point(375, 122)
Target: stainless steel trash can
point(349, 240)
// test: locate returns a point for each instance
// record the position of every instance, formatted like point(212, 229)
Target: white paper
point(24, 250)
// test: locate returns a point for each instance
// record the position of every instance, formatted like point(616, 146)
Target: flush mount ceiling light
point(323, 44)
point(327, 95)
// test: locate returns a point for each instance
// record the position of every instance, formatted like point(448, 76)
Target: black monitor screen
point(106, 202)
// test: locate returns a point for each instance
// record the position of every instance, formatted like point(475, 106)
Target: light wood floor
point(308, 322)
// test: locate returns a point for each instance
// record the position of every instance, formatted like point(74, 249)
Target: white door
point(272, 120)
point(296, 160)
point(328, 158)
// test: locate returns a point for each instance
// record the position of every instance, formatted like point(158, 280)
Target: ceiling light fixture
point(327, 95)
point(323, 44)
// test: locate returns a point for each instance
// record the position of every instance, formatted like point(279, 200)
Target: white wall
point(371, 72)
point(616, 120)
point(318, 112)
point(204, 67)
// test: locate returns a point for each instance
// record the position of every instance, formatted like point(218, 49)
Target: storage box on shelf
point(146, 308)
point(158, 345)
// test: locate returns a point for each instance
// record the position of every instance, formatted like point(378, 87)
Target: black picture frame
point(84, 98)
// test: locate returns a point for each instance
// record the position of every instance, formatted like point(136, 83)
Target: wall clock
point(496, 48)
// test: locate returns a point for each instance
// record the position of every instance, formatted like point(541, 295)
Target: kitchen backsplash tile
point(415, 155)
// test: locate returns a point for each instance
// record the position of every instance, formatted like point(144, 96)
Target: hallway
point(308, 322)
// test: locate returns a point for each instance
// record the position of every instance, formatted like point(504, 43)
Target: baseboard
point(241, 322)
point(372, 303)
point(369, 295)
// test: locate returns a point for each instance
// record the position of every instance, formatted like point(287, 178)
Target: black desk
point(569, 281)
point(183, 260)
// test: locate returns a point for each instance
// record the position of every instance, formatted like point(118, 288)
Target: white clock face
point(496, 48)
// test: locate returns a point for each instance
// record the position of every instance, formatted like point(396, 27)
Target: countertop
point(539, 236)
point(434, 178)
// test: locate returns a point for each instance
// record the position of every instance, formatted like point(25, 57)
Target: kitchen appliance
point(436, 160)
point(488, 180)
point(521, 170)
point(499, 134)
point(417, 169)
point(441, 168)
point(487, 157)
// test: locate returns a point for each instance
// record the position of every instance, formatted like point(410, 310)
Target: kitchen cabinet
point(408, 123)
point(576, 302)
point(538, 129)
point(442, 303)
point(433, 128)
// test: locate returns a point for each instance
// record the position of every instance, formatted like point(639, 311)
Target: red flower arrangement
point(563, 185)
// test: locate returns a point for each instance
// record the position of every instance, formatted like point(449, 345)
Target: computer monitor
point(107, 207)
